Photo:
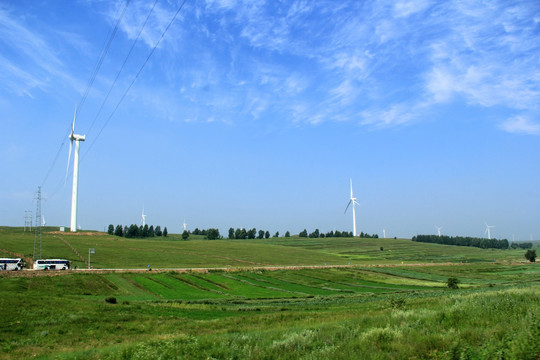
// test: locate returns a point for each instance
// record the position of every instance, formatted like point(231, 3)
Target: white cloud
point(406, 8)
point(521, 125)
point(29, 61)
point(397, 114)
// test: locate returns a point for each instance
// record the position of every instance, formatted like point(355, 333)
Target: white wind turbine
point(488, 230)
point(143, 217)
point(354, 202)
point(184, 224)
point(75, 193)
point(439, 228)
point(384, 233)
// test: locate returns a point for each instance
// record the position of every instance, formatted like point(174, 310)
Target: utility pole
point(37, 227)
point(27, 220)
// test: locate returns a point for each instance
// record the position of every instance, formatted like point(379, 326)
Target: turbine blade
point(69, 159)
point(347, 206)
point(73, 123)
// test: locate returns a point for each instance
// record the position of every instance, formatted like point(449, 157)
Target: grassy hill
point(172, 252)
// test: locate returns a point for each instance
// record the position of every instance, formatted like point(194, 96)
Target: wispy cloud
point(30, 62)
point(377, 59)
point(521, 124)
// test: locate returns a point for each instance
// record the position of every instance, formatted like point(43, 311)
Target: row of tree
point(463, 241)
point(134, 231)
point(524, 245)
point(241, 233)
point(332, 234)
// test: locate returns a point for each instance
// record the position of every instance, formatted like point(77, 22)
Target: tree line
point(524, 245)
point(463, 241)
point(134, 231)
point(337, 234)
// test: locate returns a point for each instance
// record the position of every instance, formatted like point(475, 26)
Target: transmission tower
point(37, 227)
point(27, 220)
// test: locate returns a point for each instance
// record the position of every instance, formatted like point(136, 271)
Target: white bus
point(52, 264)
point(11, 264)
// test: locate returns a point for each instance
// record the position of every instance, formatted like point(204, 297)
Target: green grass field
point(172, 252)
point(393, 311)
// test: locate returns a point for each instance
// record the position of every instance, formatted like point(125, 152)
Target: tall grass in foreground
point(487, 324)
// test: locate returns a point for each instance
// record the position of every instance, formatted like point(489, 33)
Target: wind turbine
point(384, 233)
point(75, 193)
point(143, 217)
point(184, 224)
point(488, 230)
point(439, 228)
point(354, 202)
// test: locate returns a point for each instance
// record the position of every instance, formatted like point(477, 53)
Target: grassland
point(394, 311)
point(171, 252)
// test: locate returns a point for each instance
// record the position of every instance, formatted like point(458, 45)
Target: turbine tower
point(185, 225)
point(488, 230)
point(384, 233)
point(75, 193)
point(354, 202)
point(439, 228)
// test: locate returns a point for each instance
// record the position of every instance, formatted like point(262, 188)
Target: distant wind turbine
point(439, 228)
point(352, 201)
point(143, 217)
point(384, 233)
point(75, 193)
point(184, 224)
point(488, 230)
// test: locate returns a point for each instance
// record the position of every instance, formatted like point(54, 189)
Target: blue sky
point(257, 114)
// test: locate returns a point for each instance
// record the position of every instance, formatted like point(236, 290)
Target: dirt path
point(35, 273)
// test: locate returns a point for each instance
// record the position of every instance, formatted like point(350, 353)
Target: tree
point(185, 235)
point(231, 233)
point(267, 234)
point(212, 234)
point(110, 231)
point(151, 231)
point(261, 234)
point(530, 255)
point(303, 233)
point(165, 232)
point(287, 234)
point(144, 232)
point(158, 231)
point(119, 231)
point(276, 235)
point(452, 283)
point(252, 233)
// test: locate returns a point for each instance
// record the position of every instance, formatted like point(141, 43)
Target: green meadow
point(170, 253)
point(386, 304)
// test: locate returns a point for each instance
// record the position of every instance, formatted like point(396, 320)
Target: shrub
point(530, 255)
point(110, 300)
point(452, 283)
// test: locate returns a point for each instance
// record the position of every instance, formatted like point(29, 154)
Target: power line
point(122, 67)
point(136, 76)
point(102, 57)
